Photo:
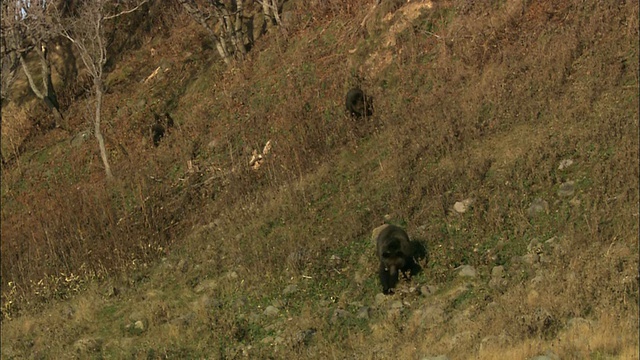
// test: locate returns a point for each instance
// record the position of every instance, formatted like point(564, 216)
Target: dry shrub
point(15, 128)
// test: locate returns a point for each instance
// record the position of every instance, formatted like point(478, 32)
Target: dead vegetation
point(472, 101)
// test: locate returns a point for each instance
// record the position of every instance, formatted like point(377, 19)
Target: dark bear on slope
point(358, 104)
point(395, 252)
point(161, 125)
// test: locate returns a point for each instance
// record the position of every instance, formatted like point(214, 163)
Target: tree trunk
point(274, 8)
point(200, 19)
point(97, 130)
point(238, 33)
point(270, 12)
point(48, 95)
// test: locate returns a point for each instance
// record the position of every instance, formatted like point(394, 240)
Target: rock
point(497, 281)
point(363, 313)
point(530, 259)
point(271, 311)
point(290, 289)
point(538, 206)
point(462, 206)
point(380, 298)
point(426, 290)
point(548, 355)
point(565, 164)
point(566, 189)
point(139, 325)
point(466, 271)
point(497, 271)
point(397, 304)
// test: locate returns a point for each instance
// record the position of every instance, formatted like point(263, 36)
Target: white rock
point(565, 164)
point(462, 206)
point(466, 271)
point(271, 311)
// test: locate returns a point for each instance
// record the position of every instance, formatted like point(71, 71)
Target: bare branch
point(124, 12)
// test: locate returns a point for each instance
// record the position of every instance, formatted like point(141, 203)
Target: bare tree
point(27, 26)
point(270, 12)
point(87, 31)
point(224, 22)
point(8, 59)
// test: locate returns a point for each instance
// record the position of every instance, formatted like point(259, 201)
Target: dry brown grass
point(481, 101)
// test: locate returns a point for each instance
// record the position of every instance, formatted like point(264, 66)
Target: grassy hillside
point(526, 112)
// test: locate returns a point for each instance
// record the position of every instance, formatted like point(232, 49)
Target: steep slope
point(504, 139)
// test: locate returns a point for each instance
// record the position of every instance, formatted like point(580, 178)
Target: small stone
point(426, 290)
point(397, 304)
point(565, 164)
point(139, 325)
point(538, 206)
point(290, 289)
point(531, 259)
point(498, 284)
point(363, 313)
point(231, 275)
point(566, 189)
point(497, 271)
point(466, 271)
point(548, 355)
point(271, 311)
point(462, 206)
point(380, 298)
